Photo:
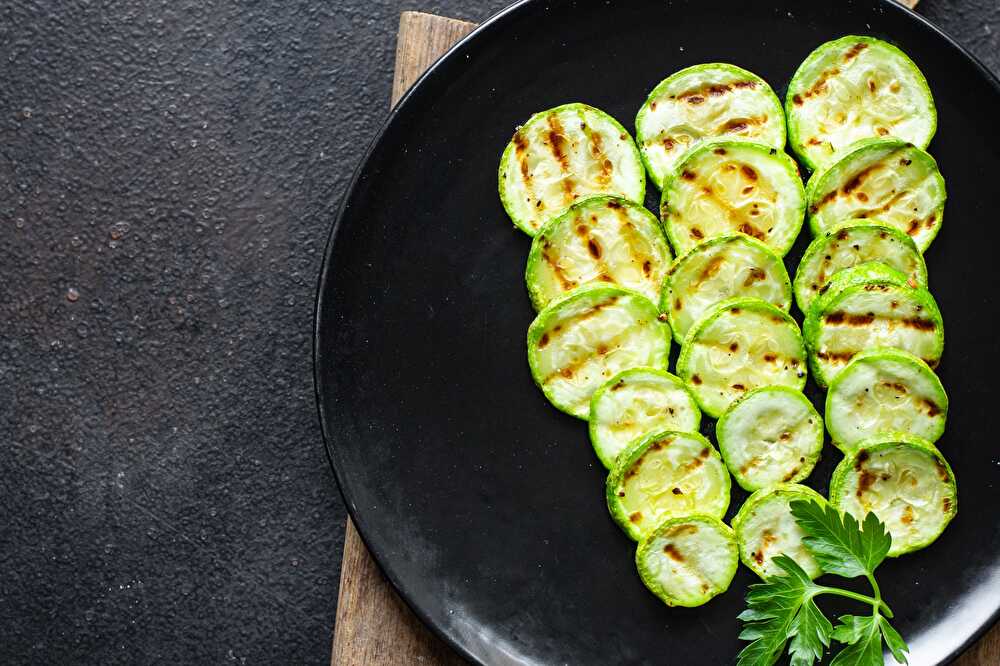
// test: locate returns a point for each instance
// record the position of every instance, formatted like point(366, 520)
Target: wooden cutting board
point(373, 626)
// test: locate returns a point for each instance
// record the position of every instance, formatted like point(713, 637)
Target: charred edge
point(946, 505)
point(861, 460)
point(941, 470)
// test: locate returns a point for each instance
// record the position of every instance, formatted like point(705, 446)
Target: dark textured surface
point(168, 174)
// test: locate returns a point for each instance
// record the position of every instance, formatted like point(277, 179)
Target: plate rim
point(324, 279)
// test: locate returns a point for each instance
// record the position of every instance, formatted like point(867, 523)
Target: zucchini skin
point(654, 586)
point(847, 443)
point(628, 458)
point(659, 176)
point(525, 224)
point(779, 316)
point(791, 491)
point(828, 184)
point(841, 487)
point(807, 462)
point(541, 322)
point(779, 245)
point(536, 256)
point(600, 448)
point(844, 232)
point(797, 86)
point(777, 267)
point(847, 285)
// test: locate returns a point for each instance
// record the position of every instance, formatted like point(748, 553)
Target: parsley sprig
point(782, 610)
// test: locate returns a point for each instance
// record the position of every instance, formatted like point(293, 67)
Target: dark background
point(169, 172)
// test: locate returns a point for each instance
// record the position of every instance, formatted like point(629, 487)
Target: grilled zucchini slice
point(771, 435)
point(868, 306)
point(739, 345)
point(856, 88)
point(599, 239)
point(637, 403)
point(562, 155)
point(766, 528)
point(718, 269)
point(724, 187)
point(849, 244)
point(888, 179)
point(904, 481)
point(584, 339)
point(704, 102)
point(687, 561)
point(666, 475)
point(885, 390)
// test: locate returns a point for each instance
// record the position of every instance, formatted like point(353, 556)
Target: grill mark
point(619, 386)
point(862, 459)
point(737, 125)
point(865, 482)
point(835, 357)
point(597, 152)
point(696, 233)
point(748, 172)
point(635, 517)
point(696, 380)
point(564, 282)
point(941, 470)
point(854, 51)
point(732, 215)
point(673, 553)
point(569, 370)
point(710, 270)
point(632, 240)
point(681, 530)
point(790, 475)
point(520, 150)
point(820, 85)
point(932, 408)
point(837, 318)
point(918, 323)
point(907, 516)
point(859, 178)
point(557, 141)
point(946, 504)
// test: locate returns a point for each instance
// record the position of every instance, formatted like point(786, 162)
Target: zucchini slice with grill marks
point(724, 187)
point(687, 561)
point(887, 179)
point(582, 340)
point(739, 345)
point(856, 88)
point(704, 102)
point(666, 475)
point(771, 435)
point(903, 480)
point(885, 390)
point(766, 528)
point(852, 243)
point(562, 155)
point(862, 310)
point(718, 269)
point(637, 403)
point(599, 239)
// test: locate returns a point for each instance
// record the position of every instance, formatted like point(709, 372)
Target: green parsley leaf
point(839, 545)
point(850, 629)
point(895, 642)
point(774, 614)
point(810, 633)
point(866, 647)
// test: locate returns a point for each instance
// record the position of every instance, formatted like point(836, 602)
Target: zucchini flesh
point(637, 403)
point(856, 88)
point(562, 155)
point(663, 476)
point(852, 243)
point(600, 239)
point(771, 435)
point(885, 390)
point(701, 103)
point(579, 342)
point(719, 269)
point(689, 560)
point(904, 481)
point(887, 179)
point(739, 345)
point(766, 528)
point(726, 187)
point(868, 314)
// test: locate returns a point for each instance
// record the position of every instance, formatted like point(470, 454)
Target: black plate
point(482, 503)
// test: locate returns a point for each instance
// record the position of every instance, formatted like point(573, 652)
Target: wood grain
point(373, 626)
